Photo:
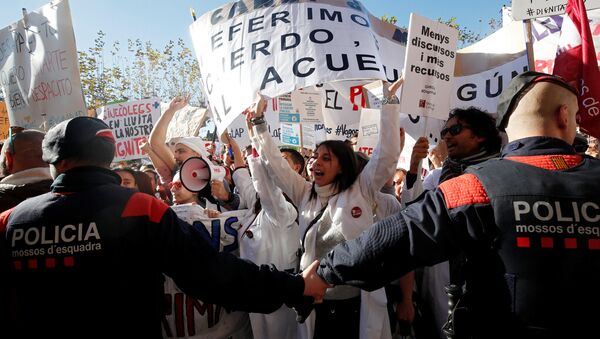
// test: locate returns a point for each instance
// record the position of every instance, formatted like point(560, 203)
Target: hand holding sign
point(393, 88)
point(179, 102)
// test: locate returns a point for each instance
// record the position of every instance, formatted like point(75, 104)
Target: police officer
point(527, 224)
point(86, 260)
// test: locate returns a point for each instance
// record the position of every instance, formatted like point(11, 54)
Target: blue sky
point(161, 21)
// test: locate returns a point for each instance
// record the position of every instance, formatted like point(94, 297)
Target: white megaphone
point(197, 172)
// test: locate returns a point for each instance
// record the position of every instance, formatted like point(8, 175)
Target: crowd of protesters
point(292, 208)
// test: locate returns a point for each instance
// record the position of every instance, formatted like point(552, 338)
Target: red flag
point(576, 62)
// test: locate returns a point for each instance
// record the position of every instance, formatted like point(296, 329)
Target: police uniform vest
point(548, 243)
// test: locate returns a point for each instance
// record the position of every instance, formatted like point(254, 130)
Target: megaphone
point(197, 172)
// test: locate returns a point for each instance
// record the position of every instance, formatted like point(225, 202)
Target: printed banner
point(130, 122)
point(528, 9)
point(39, 69)
point(429, 67)
point(237, 129)
point(4, 122)
point(287, 112)
point(279, 47)
point(485, 68)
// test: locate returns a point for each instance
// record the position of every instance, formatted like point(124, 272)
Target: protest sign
point(237, 129)
point(130, 122)
point(39, 69)
point(528, 9)
point(290, 134)
point(368, 130)
point(485, 68)
point(186, 122)
point(415, 127)
point(278, 47)
point(341, 105)
point(4, 123)
point(309, 140)
point(287, 112)
point(308, 104)
point(429, 67)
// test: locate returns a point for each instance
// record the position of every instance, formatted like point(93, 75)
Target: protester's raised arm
point(158, 135)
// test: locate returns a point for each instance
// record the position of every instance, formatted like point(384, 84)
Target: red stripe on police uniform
point(142, 204)
point(4, 219)
point(69, 261)
point(523, 242)
point(463, 190)
point(32, 264)
point(570, 243)
point(547, 242)
point(594, 244)
point(550, 162)
point(50, 262)
point(18, 265)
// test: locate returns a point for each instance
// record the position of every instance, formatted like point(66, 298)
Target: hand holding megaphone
point(197, 172)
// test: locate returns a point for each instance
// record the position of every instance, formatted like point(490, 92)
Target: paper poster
point(39, 69)
point(308, 104)
point(130, 122)
point(368, 131)
point(186, 122)
point(429, 67)
point(528, 9)
point(290, 134)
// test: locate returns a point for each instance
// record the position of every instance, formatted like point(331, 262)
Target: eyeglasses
point(453, 130)
point(176, 184)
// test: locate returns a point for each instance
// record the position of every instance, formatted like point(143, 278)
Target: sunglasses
point(454, 130)
point(176, 184)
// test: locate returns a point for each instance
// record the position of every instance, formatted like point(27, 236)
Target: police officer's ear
point(562, 116)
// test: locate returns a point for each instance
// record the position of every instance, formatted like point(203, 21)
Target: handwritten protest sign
point(4, 123)
point(130, 122)
point(278, 47)
point(429, 67)
point(186, 122)
point(39, 70)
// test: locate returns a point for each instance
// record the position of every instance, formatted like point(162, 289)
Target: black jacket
point(528, 226)
point(12, 195)
point(87, 259)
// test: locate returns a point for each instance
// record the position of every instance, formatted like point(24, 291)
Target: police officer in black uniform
point(527, 223)
point(87, 259)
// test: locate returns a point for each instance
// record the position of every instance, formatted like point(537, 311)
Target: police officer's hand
point(314, 285)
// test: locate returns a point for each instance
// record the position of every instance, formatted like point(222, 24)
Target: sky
point(161, 21)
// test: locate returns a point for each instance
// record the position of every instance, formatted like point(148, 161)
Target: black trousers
point(337, 319)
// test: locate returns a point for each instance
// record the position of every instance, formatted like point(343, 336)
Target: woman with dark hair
point(143, 182)
point(338, 205)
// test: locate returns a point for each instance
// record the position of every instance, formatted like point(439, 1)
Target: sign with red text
point(429, 68)
point(277, 48)
point(130, 122)
point(39, 69)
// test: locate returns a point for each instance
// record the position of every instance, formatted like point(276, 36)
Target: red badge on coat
point(356, 212)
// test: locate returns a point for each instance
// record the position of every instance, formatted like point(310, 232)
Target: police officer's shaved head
point(22, 151)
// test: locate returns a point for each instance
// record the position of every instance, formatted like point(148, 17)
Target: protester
point(86, 260)
point(24, 172)
point(338, 205)
point(127, 177)
point(470, 137)
point(270, 236)
point(524, 222)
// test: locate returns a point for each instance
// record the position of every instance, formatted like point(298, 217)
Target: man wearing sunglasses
point(87, 259)
point(527, 224)
point(471, 137)
point(25, 173)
